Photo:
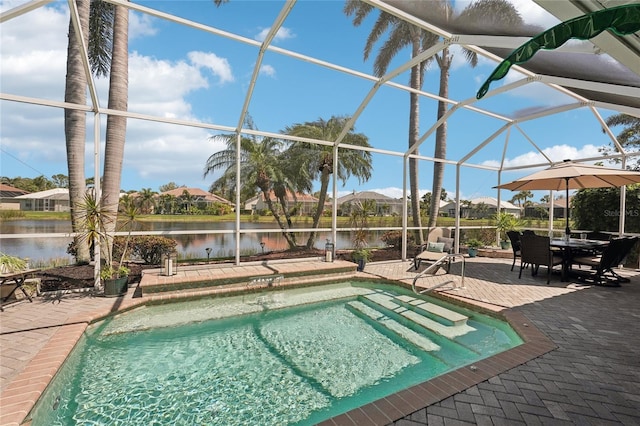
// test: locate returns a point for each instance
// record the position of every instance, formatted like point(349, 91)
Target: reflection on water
point(41, 249)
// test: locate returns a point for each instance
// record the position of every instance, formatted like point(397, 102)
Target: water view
point(42, 249)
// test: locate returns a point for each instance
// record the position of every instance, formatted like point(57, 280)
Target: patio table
point(567, 247)
point(17, 279)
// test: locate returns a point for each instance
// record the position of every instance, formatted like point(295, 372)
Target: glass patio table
point(572, 245)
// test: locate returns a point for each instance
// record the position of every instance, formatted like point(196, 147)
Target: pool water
point(288, 357)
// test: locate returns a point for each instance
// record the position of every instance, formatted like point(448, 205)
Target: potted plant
point(473, 245)
point(10, 264)
point(361, 256)
point(96, 220)
point(506, 222)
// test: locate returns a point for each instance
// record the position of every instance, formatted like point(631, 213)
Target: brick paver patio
point(589, 374)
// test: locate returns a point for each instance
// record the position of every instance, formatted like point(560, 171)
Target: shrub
point(150, 248)
point(11, 214)
point(394, 239)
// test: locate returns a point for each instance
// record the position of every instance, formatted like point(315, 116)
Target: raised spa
point(298, 356)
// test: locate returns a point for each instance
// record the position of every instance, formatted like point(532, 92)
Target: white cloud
point(282, 34)
point(555, 153)
point(140, 25)
point(220, 67)
point(531, 13)
point(34, 64)
point(267, 70)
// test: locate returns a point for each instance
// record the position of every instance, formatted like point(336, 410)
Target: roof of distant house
point(367, 195)
point(291, 196)
point(8, 191)
point(197, 192)
point(493, 202)
point(52, 194)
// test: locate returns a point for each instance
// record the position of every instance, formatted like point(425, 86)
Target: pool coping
point(21, 395)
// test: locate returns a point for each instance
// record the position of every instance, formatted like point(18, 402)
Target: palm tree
point(261, 167)
point(75, 120)
point(109, 28)
point(98, 24)
point(187, 201)
point(166, 203)
point(146, 201)
point(629, 136)
point(498, 11)
point(316, 161)
point(118, 100)
point(401, 35)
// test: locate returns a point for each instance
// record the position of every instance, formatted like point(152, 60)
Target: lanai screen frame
point(471, 42)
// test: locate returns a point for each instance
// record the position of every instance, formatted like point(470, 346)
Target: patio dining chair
point(601, 272)
point(514, 237)
point(536, 250)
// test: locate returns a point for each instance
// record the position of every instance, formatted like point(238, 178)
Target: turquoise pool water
point(287, 357)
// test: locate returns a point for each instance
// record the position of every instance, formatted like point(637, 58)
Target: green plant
point(151, 248)
point(506, 222)
point(109, 272)
point(11, 263)
point(361, 254)
point(394, 239)
point(97, 220)
point(474, 243)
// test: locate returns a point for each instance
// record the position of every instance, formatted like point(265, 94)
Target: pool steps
point(416, 338)
point(455, 317)
point(418, 313)
point(409, 320)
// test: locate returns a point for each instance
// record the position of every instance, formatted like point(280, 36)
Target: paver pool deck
point(580, 365)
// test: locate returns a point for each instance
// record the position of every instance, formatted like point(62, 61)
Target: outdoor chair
point(597, 235)
point(536, 250)
point(438, 245)
point(601, 272)
point(514, 237)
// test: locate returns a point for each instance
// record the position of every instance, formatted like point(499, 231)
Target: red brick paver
point(580, 365)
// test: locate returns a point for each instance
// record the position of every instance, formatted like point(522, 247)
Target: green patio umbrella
point(569, 175)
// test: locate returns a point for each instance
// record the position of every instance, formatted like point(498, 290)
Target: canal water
point(43, 249)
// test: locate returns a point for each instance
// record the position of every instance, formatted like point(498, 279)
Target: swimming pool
point(287, 357)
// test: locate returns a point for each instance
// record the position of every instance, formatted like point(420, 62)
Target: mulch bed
point(81, 276)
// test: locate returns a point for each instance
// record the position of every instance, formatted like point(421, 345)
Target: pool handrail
point(434, 268)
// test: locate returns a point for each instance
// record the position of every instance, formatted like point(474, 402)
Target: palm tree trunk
point(116, 125)
point(441, 139)
point(290, 237)
point(414, 129)
point(322, 198)
point(75, 127)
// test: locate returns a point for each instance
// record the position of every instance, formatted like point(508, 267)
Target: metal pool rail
point(432, 269)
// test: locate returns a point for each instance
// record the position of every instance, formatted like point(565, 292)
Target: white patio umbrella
point(569, 175)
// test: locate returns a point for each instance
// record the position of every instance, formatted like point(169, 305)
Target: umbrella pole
point(567, 231)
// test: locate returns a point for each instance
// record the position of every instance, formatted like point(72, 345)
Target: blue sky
point(183, 73)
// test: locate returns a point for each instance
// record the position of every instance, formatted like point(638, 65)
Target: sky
point(182, 73)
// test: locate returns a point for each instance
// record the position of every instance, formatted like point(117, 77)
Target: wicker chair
point(535, 250)
point(514, 237)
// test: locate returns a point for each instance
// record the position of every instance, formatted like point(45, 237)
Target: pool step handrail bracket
point(266, 279)
point(433, 268)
